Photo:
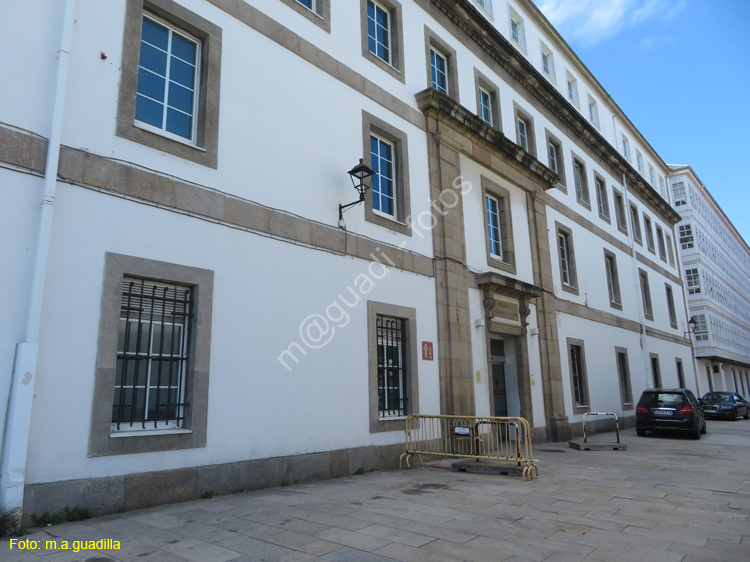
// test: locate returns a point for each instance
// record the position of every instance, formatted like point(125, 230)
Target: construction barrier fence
point(475, 437)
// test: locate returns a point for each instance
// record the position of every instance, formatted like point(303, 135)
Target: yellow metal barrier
point(475, 437)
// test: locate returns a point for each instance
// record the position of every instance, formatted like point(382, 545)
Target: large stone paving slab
point(667, 498)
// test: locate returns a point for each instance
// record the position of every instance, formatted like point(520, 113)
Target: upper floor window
point(572, 89)
point(679, 195)
point(498, 226)
point(316, 11)
point(701, 329)
point(485, 106)
point(648, 310)
point(670, 306)
point(602, 200)
point(613, 281)
point(651, 175)
point(670, 251)
point(439, 65)
point(635, 224)
point(548, 62)
point(639, 161)
point(660, 243)
point(686, 236)
point(523, 133)
point(566, 254)
point(493, 227)
point(593, 111)
point(383, 180)
point(169, 86)
point(625, 147)
point(167, 80)
point(581, 182)
point(379, 31)
point(649, 233)
point(309, 4)
point(620, 212)
point(486, 5)
point(693, 281)
point(517, 31)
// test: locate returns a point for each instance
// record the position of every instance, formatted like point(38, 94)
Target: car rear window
point(723, 396)
point(668, 399)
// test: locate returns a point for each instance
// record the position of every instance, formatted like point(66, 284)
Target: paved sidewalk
point(667, 498)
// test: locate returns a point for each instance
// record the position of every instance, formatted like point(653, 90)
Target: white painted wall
point(253, 316)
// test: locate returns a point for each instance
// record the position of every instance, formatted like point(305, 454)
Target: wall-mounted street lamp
point(361, 178)
point(691, 325)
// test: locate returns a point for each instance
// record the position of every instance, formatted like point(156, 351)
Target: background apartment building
point(187, 313)
point(716, 268)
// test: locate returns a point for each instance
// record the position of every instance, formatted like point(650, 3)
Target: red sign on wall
point(427, 350)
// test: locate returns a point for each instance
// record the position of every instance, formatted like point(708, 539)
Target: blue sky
point(680, 70)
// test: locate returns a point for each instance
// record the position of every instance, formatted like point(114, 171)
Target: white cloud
point(590, 21)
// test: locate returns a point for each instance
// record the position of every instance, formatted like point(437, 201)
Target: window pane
point(155, 34)
point(153, 59)
point(182, 73)
point(180, 98)
point(179, 123)
point(184, 48)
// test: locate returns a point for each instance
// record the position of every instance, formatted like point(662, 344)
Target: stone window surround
point(605, 195)
point(375, 125)
point(572, 272)
point(586, 201)
point(552, 139)
point(569, 342)
point(645, 294)
point(321, 16)
point(506, 226)
point(396, 33)
point(432, 40)
point(625, 405)
point(205, 149)
point(101, 441)
point(480, 80)
point(620, 211)
point(409, 316)
point(615, 280)
point(520, 114)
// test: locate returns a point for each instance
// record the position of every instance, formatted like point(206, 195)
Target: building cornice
point(486, 37)
point(430, 100)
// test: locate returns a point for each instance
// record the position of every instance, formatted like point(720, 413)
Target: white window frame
point(389, 29)
point(493, 222)
point(613, 280)
point(192, 141)
point(486, 5)
point(602, 199)
point(693, 281)
point(626, 147)
point(547, 53)
point(434, 54)
point(639, 162)
point(593, 111)
point(679, 194)
point(519, 38)
point(485, 107)
point(652, 175)
point(572, 89)
point(393, 180)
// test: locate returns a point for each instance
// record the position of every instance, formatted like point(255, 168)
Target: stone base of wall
point(135, 491)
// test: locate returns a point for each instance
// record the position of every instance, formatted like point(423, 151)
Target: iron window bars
point(152, 355)
point(391, 339)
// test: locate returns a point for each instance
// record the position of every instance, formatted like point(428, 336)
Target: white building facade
point(185, 311)
point(716, 270)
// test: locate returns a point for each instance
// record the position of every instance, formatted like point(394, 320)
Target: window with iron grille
point(623, 372)
point(392, 366)
point(152, 355)
point(578, 376)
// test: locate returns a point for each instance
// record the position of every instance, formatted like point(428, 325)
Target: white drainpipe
point(20, 401)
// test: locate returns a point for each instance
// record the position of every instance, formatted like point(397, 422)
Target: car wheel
point(733, 417)
point(747, 414)
point(704, 429)
point(696, 434)
point(640, 432)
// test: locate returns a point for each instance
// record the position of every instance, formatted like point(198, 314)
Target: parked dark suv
point(669, 409)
